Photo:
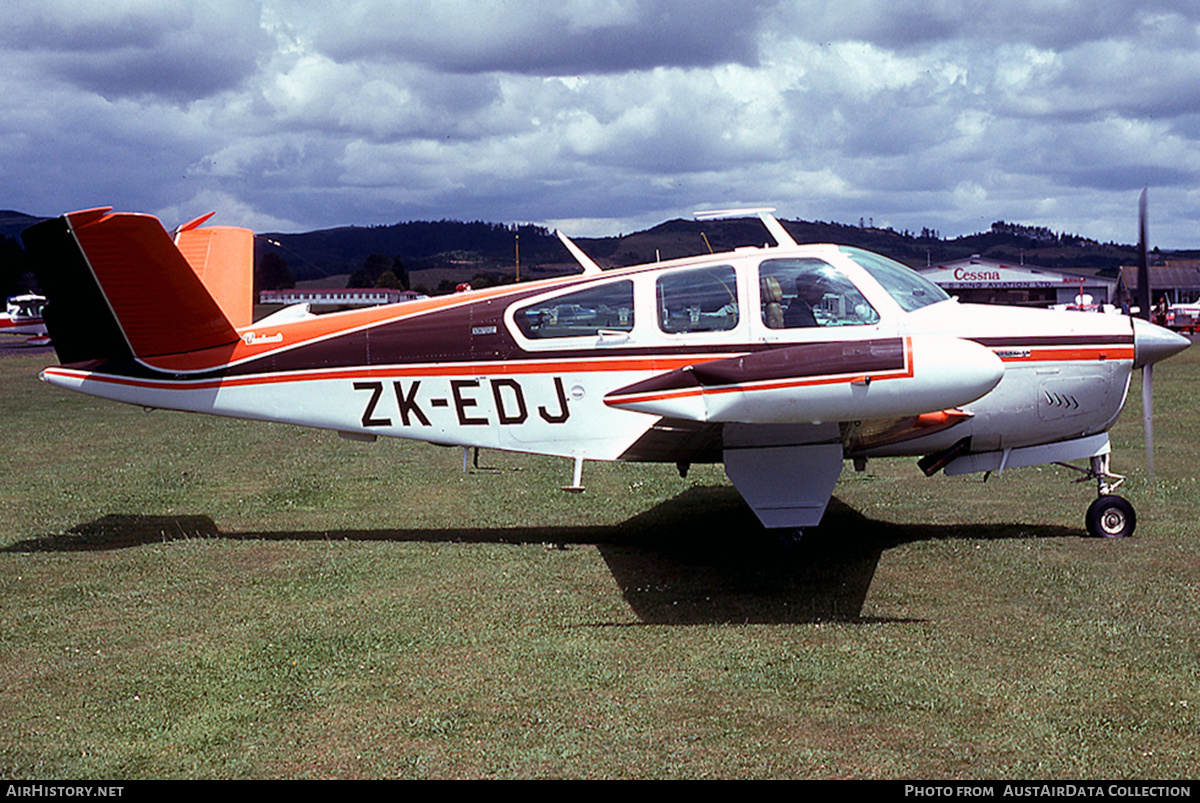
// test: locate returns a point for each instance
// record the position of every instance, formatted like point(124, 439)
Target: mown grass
point(185, 597)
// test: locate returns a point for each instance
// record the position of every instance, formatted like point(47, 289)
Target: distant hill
point(440, 253)
point(489, 247)
point(13, 223)
point(15, 277)
point(683, 237)
point(421, 245)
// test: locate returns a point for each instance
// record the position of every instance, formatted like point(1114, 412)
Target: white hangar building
point(987, 281)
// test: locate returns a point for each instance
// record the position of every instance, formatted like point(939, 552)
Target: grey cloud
point(552, 38)
point(176, 50)
point(936, 113)
point(1130, 177)
point(921, 23)
point(64, 26)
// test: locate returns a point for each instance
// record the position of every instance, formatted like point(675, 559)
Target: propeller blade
point(1144, 297)
point(1143, 272)
point(1148, 418)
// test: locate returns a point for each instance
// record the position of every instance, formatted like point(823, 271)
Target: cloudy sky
point(603, 116)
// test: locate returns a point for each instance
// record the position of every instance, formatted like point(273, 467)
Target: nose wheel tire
point(1111, 517)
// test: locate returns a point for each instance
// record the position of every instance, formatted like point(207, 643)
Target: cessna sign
point(999, 276)
point(983, 280)
point(962, 275)
point(988, 281)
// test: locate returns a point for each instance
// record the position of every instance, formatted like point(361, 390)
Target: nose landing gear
point(1109, 516)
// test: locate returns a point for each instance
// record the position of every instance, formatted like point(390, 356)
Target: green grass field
point(190, 597)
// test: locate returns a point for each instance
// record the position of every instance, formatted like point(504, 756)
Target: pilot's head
point(812, 288)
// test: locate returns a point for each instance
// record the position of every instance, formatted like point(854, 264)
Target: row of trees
point(1041, 234)
point(379, 271)
point(273, 273)
point(15, 276)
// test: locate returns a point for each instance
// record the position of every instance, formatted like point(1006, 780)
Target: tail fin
point(119, 287)
point(223, 259)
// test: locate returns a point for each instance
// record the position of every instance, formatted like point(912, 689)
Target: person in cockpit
point(810, 290)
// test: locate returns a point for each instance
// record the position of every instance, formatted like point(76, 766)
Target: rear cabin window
point(797, 293)
point(698, 300)
point(586, 313)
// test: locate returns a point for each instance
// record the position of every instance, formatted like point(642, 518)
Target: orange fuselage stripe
point(1066, 354)
point(659, 363)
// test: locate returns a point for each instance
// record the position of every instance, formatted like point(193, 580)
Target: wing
point(776, 417)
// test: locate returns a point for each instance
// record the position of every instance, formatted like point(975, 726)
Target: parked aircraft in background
point(780, 362)
point(23, 316)
point(1085, 303)
point(1184, 317)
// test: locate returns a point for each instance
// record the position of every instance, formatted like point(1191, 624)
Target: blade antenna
point(590, 268)
point(191, 224)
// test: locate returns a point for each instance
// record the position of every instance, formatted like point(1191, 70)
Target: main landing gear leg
point(1110, 516)
point(790, 537)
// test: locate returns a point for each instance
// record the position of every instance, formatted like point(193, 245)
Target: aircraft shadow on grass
point(698, 558)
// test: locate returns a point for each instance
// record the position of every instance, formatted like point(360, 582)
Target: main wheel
point(790, 537)
point(1111, 517)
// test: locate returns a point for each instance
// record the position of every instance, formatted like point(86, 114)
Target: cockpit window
point(698, 300)
point(910, 289)
point(586, 313)
point(797, 293)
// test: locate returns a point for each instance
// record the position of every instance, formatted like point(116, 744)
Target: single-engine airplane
point(23, 316)
point(780, 362)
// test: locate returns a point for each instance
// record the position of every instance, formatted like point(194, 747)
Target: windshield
point(910, 289)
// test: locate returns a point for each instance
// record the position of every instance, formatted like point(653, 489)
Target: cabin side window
point(797, 293)
point(698, 300)
point(586, 313)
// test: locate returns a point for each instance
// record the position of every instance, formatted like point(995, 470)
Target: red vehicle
point(1184, 317)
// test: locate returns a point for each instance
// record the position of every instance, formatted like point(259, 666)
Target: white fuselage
point(1025, 376)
